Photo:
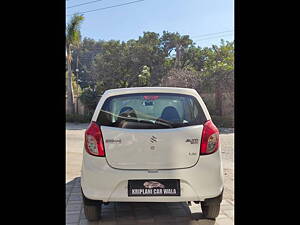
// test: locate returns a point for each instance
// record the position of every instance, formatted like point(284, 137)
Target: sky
point(206, 21)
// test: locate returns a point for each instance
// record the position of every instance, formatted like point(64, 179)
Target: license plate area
point(156, 187)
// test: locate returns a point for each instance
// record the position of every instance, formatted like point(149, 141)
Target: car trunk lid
point(152, 148)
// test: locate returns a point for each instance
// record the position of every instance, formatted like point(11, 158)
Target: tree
point(174, 41)
point(194, 57)
point(218, 72)
point(84, 58)
point(150, 61)
point(112, 65)
point(72, 42)
point(147, 50)
point(119, 64)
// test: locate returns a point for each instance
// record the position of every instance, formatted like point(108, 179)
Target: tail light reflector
point(210, 139)
point(93, 140)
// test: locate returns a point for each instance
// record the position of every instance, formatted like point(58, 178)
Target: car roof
point(177, 90)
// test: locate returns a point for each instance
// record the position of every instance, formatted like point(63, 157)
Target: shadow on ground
point(132, 212)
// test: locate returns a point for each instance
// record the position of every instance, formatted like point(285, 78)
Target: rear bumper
point(101, 182)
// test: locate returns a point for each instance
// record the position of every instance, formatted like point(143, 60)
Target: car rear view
point(151, 145)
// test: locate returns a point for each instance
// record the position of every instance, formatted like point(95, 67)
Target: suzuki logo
point(153, 139)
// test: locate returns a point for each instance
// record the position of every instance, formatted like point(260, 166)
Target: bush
point(209, 100)
point(90, 99)
point(223, 121)
point(75, 118)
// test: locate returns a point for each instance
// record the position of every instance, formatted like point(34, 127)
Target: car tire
point(92, 212)
point(92, 209)
point(210, 211)
point(211, 206)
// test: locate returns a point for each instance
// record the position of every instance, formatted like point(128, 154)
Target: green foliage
point(76, 87)
point(150, 61)
point(194, 57)
point(218, 70)
point(174, 41)
point(89, 98)
point(73, 30)
point(144, 77)
point(73, 38)
point(84, 62)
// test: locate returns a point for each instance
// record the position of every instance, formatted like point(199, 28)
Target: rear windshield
point(151, 111)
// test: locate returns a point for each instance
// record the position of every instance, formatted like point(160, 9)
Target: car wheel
point(210, 211)
point(92, 209)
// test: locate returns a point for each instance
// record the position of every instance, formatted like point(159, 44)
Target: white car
point(151, 144)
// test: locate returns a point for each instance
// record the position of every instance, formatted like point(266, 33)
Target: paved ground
point(143, 213)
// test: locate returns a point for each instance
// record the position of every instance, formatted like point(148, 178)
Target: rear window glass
point(151, 111)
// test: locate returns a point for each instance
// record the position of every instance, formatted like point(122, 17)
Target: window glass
point(151, 111)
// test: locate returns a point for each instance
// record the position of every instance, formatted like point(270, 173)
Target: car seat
point(125, 112)
point(170, 114)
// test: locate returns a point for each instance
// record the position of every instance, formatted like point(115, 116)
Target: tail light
point(210, 139)
point(93, 140)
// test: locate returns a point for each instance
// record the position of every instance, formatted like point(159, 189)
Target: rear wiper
point(155, 122)
point(164, 123)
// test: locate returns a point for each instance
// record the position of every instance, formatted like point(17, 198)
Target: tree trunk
point(70, 100)
point(178, 56)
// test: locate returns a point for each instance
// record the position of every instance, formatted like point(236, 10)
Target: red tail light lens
point(93, 140)
point(210, 139)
